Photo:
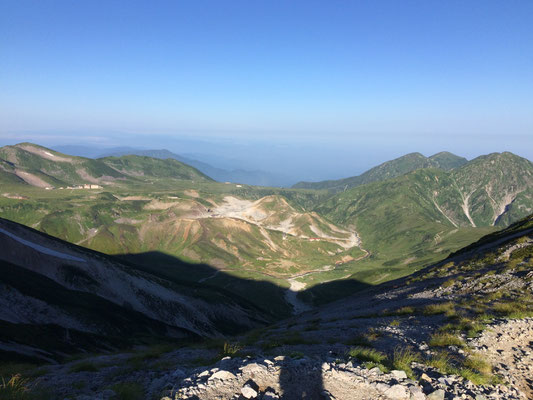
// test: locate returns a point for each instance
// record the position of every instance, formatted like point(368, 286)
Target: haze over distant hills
point(251, 177)
point(258, 178)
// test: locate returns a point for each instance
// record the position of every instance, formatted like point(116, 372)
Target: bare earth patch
point(31, 179)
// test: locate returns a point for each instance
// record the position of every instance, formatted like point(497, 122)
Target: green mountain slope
point(387, 170)
point(417, 218)
point(38, 166)
point(139, 166)
point(289, 237)
point(496, 189)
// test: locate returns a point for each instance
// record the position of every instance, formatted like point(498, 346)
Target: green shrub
point(407, 310)
point(445, 339)
point(403, 358)
point(440, 308)
point(359, 340)
point(230, 349)
point(128, 391)
point(475, 377)
point(367, 354)
point(448, 283)
point(478, 364)
point(151, 352)
point(16, 388)
point(371, 364)
point(442, 361)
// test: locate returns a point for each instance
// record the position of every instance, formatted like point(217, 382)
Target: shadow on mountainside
point(27, 272)
point(302, 381)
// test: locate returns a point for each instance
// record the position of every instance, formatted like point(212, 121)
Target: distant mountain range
point(255, 177)
point(389, 169)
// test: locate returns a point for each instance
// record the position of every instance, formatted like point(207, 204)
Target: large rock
point(222, 375)
point(253, 368)
point(397, 392)
point(436, 395)
point(416, 393)
point(399, 375)
point(248, 392)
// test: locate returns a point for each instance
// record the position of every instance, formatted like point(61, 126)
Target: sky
point(328, 88)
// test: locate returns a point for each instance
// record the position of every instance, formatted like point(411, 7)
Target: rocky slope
point(460, 329)
point(66, 298)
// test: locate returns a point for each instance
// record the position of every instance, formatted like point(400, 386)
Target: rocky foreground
point(322, 374)
point(508, 344)
point(460, 329)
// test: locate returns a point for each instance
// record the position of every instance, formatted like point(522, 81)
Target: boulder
point(222, 375)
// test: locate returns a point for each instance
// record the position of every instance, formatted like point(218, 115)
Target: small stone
point(375, 371)
point(425, 377)
point(436, 395)
point(248, 392)
point(382, 387)
point(270, 396)
point(326, 367)
point(399, 375)
point(279, 358)
point(203, 373)
point(446, 381)
point(416, 393)
point(397, 392)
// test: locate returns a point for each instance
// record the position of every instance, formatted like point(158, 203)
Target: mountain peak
point(447, 161)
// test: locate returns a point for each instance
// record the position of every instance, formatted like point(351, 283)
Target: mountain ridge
point(42, 167)
point(255, 177)
point(389, 169)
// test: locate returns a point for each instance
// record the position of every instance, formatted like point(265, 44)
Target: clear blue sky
point(382, 72)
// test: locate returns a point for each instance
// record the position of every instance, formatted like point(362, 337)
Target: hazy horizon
point(291, 159)
point(312, 90)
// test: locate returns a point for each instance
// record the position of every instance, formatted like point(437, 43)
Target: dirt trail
point(291, 294)
point(209, 277)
